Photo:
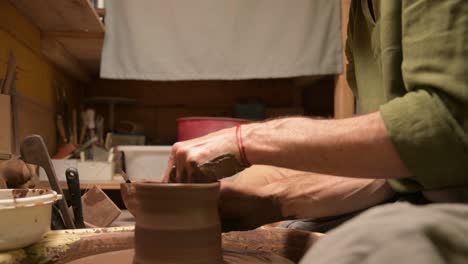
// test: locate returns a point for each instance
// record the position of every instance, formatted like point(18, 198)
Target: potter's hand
point(205, 159)
point(245, 208)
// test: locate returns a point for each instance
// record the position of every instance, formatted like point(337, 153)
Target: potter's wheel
point(230, 257)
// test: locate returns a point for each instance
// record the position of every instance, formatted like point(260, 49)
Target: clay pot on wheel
point(177, 223)
point(128, 193)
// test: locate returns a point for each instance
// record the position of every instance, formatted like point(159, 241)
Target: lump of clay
point(218, 168)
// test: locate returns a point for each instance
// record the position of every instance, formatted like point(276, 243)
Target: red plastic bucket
point(193, 127)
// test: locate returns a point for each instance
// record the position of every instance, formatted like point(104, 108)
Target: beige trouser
point(397, 233)
point(310, 195)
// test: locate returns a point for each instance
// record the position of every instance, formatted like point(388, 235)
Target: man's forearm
point(353, 147)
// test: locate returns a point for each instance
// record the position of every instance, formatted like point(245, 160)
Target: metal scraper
point(34, 151)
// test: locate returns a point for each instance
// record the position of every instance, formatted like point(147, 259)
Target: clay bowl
point(128, 193)
point(177, 223)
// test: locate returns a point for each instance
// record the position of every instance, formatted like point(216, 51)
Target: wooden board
point(59, 15)
point(36, 118)
point(98, 208)
point(5, 120)
point(67, 245)
point(81, 29)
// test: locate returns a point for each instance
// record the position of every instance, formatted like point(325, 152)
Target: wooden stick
point(75, 126)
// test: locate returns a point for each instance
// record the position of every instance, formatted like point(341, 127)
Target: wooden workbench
point(105, 185)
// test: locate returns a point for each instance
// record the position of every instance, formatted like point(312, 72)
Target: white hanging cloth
point(220, 39)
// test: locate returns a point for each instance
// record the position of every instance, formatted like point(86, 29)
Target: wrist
point(241, 148)
point(247, 137)
point(262, 141)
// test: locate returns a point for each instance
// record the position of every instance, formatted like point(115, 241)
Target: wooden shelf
point(59, 15)
point(72, 33)
point(105, 185)
point(85, 47)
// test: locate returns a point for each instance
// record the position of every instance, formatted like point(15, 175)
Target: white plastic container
point(146, 162)
point(60, 166)
point(95, 170)
point(88, 170)
point(24, 221)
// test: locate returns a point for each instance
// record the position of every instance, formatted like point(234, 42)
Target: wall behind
point(36, 78)
point(160, 103)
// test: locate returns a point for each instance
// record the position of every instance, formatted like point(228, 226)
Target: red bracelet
point(241, 148)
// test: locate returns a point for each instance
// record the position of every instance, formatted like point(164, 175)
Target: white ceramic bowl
point(25, 216)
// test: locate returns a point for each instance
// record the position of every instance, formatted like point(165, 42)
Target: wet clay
point(221, 167)
point(15, 173)
point(177, 223)
point(21, 193)
point(230, 257)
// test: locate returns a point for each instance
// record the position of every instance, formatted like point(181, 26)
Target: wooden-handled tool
point(57, 219)
point(73, 182)
point(123, 169)
point(61, 129)
point(10, 74)
point(9, 88)
point(34, 151)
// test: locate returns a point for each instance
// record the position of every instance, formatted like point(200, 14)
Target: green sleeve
point(429, 125)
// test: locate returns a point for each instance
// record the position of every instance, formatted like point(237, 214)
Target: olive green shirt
point(409, 60)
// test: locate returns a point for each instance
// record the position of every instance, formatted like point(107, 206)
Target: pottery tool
point(57, 219)
point(110, 156)
point(82, 147)
point(90, 121)
point(84, 125)
point(9, 88)
point(64, 150)
point(61, 129)
point(123, 170)
point(6, 134)
point(100, 129)
point(73, 183)
point(74, 127)
point(34, 151)
point(111, 102)
point(66, 113)
point(125, 176)
point(14, 113)
point(62, 113)
point(98, 208)
point(10, 75)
